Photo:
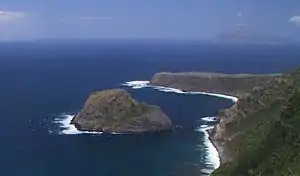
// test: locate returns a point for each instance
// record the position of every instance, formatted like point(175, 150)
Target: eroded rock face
point(116, 111)
point(219, 136)
point(236, 122)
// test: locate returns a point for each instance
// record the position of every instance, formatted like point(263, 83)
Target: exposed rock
point(217, 136)
point(116, 111)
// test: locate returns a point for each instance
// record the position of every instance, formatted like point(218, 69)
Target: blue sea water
point(43, 82)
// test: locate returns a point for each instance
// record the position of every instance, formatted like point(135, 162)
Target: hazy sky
point(171, 19)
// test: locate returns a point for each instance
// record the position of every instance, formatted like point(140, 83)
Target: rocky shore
point(259, 134)
point(238, 85)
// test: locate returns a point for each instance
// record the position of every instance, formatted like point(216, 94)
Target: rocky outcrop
point(230, 84)
point(217, 134)
point(116, 111)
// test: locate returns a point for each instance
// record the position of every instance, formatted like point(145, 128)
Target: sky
point(143, 19)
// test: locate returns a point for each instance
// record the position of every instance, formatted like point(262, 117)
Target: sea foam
point(64, 121)
point(212, 159)
point(144, 84)
point(209, 119)
point(137, 84)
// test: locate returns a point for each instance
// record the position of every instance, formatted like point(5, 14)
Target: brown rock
point(116, 111)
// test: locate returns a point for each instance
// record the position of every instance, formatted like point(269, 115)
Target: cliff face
point(231, 84)
point(234, 121)
point(258, 135)
point(116, 111)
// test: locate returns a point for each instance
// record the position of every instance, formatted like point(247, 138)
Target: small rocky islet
point(259, 135)
point(114, 110)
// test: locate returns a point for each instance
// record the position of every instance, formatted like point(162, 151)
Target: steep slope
point(260, 136)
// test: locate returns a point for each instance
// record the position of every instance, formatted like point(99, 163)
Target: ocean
point(43, 84)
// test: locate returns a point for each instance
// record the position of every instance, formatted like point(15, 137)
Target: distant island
point(116, 111)
point(259, 135)
point(241, 34)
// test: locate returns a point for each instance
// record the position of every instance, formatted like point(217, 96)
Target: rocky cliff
point(231, 84)
point(239, 85)
point(259, 136)
point(116, 111)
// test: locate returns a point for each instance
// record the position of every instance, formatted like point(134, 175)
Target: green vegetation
point(213, 74)
point(266, 131)
point(231, 84)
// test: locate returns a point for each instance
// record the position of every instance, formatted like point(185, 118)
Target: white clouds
point(16, 25)
point(295, 20)
point(9, 16)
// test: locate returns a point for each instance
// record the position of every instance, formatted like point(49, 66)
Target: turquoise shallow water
point(43, 83)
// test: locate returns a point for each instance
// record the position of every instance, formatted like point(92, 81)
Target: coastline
point(69, 129)
point(218, 144)
point(144, 84)
point(216, 147)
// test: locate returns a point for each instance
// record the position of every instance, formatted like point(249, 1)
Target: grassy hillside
point(264, 136)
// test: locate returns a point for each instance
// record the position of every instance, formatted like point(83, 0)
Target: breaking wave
point(144, 84)
point(209, 119)
point(212, 158)
point(64, 122)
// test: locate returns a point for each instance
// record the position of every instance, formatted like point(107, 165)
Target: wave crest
point(212, 158)
point(144, 84)
point(209, 119)
point(64, 121)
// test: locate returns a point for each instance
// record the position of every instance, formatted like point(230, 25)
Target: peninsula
point(229, 84)
point(116, 111)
